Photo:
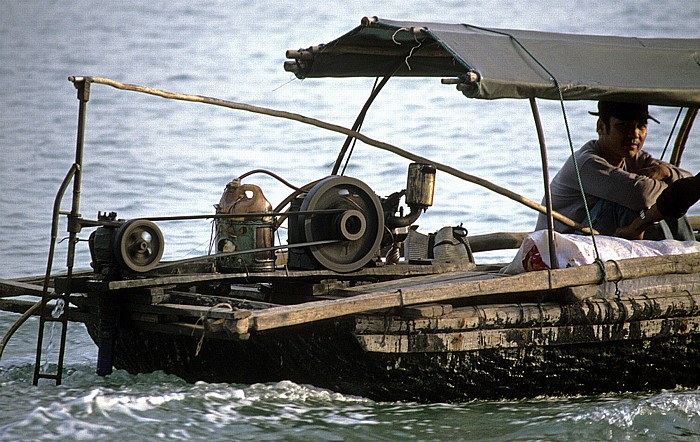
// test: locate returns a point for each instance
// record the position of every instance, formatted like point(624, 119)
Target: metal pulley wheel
point(139, 245)
point(359, 223)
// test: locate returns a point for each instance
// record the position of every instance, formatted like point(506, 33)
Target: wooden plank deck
point(386, 272)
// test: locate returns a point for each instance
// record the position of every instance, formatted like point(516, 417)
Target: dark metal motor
point(132, 246)
point(349, 217)
point(353, 221)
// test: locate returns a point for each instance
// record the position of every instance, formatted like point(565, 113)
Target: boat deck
point(232, 306)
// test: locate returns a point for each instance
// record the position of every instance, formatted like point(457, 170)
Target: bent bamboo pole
point(10, 288)
point(22, 319)
point(343, 130)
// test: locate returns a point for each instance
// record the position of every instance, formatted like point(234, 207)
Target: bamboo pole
point(682, 137)
point(11, 287)
point(343, 130)
point(496, 241)
point(18, 323)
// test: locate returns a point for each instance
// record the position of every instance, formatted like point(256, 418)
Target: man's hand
point(636, 229)
point(658, 171)
point(629, 232)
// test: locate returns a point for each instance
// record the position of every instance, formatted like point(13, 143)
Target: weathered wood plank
point(10, 287)
point(436, 292)
point(187, 329)
point(20, 306)
point(534, 336)
point(501, 316)
point(188, 298)
point(646, 285)
point(401, 270)
point(410, 282)
point(16, 305)
point(194, 311)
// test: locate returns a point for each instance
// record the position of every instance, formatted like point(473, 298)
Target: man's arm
point(650, 167)
point(659, 171)
point(673, 203)
point(626, 188)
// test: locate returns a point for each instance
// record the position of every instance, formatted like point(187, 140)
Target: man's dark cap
point(624, 111)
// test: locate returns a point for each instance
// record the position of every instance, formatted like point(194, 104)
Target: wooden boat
point(362, 303)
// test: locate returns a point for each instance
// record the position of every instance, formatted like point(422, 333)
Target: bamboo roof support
point(340, 129)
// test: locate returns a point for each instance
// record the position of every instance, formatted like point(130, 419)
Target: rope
point(419, 43)
point(202, 319)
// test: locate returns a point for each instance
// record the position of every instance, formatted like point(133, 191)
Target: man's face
point(622, 139)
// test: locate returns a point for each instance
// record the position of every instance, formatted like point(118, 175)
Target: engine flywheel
point(358, 223)
point(139, 245)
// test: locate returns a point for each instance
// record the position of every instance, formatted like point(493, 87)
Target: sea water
point(145, 156)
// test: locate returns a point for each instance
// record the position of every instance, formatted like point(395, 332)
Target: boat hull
point(330, 355)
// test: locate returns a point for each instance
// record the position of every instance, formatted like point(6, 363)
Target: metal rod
point(554, 264)
point(83, 88)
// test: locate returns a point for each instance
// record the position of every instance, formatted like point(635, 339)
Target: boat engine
point(125, 246)
point(350, 224)
point(251, 231)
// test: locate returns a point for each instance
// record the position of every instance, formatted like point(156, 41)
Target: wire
point(358, 128)
point(272, 174)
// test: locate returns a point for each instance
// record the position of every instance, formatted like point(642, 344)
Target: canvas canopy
point(516, 63)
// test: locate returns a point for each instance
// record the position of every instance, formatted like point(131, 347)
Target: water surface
point(146, 156)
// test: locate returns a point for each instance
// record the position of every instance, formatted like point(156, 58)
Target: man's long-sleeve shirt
point(601, 180)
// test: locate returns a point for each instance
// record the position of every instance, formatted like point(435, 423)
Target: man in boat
point(620, 180)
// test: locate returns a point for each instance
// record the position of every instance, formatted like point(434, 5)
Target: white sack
point(575, 250)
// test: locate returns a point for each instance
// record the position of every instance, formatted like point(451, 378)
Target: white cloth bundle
point(575, 250)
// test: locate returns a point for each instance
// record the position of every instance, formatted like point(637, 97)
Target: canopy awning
point(514, 63)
